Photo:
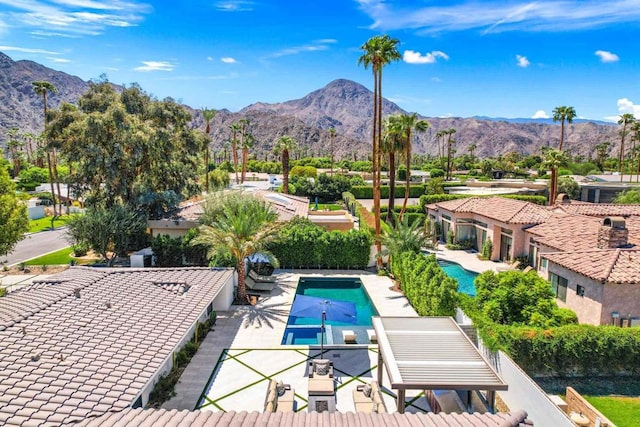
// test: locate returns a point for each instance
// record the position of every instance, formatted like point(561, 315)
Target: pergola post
point(401, 394)
point(491, 399)
point(380, 367)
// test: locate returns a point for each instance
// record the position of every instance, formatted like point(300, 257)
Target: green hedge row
point(428, 199)
point(366, 191)
point(302, 244)
point(429, 290)
point(397, 209)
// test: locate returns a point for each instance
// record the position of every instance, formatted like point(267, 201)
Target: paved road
point(37, 244)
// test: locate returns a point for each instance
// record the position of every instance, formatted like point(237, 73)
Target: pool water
point(305, 330)
point(464, 277)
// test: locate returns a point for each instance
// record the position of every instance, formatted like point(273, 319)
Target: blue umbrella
point(324, 309)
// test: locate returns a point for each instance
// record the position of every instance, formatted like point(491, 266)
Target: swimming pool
point(306, 330)
point(464, 277)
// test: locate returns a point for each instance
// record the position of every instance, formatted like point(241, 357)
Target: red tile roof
point(285, 205)
point(600, 209)
point(162, 417)
point(621, 266)
point(498, 208)
point(568, 232)
point(89, 340)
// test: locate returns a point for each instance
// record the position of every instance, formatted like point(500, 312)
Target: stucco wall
point(589, 307)
point(624, 299)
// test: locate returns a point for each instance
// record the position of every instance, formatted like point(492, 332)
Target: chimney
point(563, 199)
point(613, 233)
point(76, 291)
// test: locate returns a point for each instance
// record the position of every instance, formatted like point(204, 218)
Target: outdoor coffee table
point(322, 403)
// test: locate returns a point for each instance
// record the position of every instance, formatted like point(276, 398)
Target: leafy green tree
point(111, 232)
point(219, 179)
point(283, 146)
point(241, 225)
point(208, 114)
point(628, 197)
point(434, 186)
point(568, 186)
point(378, 51)
point(404, 237)
point(14, 221)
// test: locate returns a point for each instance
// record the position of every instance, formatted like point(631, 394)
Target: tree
point(247, 142)
point(408, 124)
point(235, 128)
point(332, 137)
point(440, 137)
point(404, 237)
point(283, 146)
point(378, 52)
point(392, 144)
point(635, 137)
point(449, 133)
point(554, 159)
point(42, 88)
point(628, 197)
point(626, 119)
point(568, 186)
point(472, 152)
point(241, 225)
point(208, 115)
point(602, 150)
point(562, 114)
point(14, 220)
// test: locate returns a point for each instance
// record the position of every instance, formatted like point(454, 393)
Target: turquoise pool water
point(464, 277)
point(306, 330)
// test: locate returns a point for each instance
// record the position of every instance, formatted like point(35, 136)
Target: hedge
point(428, 288)
point(397, 209)
point(366, 191)
point(302, 244)
point(428, 199)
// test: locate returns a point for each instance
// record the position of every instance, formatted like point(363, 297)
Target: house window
point(580, 290)
point(543, 264)
point(559, 286)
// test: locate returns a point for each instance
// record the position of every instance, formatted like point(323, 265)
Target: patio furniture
point(368, 398)
point(258, 278)
point(321, 378)
point(321, 404)
point(258, 286)
point(348, 336)
point(280, 397)
point(372, 336)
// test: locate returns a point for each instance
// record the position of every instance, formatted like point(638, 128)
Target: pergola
point(431, 353)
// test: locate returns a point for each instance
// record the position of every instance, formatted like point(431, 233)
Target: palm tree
point(282, 146)
point(440, 141)
point(42, 88)
point(601, 154)
point(472, 152)
point(241, 226)
point(247, 142)
point(208, 115)
point(554, 159)
point(235, 128)
point(562, 114)
point(378, 52)
point(404, 237)
point(332, 137)
point(449, 133)
point(625, 120)
point(408, 124)
point(13, 146)
point(635, 137)
point(391, 144)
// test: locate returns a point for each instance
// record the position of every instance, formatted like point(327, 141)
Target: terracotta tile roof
point(621, 266)
point(89, 340)
point(191, 211)
point(286, 206)
point(499, 208)
point(162, 417)
point(568, 232)
point(600, 209)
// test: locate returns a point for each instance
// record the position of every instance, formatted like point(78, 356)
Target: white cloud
point(499, 16)
point(607, 56)
point(522, 61)
point(211, 77)
point(58, 60)
point(625, 105)
point(209, 58)
point(315, 46)
point(155, 66)
point(235, 6)
point(27, 50)
point(540, 114)
point(412, 57)
point(228, 60)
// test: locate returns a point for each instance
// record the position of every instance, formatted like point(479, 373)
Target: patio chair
point(280, 397)
point(258, 286)
point(348, 336)
point(321, 378)
point(368, 398)
point(260, 278)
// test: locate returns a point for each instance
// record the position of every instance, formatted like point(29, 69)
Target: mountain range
point(342, 104)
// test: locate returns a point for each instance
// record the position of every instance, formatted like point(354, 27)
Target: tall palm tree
point(247, 142)
point(208, 114)
point(244, 129)
point(449, 133)
point(562, 114)
point(241, 226)
point(625, 120)
point(635, 137)
point(378, 51)
point(440, 141)
point(554, 159)
point(332, 137)
point(472, 152)
point(408, 124)
point(42, 88)
point(13, 146)
point(235, 128)
point(283, 146)
point(391, 144)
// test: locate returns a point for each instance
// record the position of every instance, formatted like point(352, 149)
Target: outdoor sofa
point(280, 397)
point(368, 398)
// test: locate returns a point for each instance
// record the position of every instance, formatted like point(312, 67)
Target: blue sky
point(506, 58)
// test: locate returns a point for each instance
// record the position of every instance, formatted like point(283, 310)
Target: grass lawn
point(42, 224)
point(328, 206)
point(623, 411)
point(63, 256)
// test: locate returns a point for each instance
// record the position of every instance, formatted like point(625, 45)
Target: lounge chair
point(258, 286)
point(280, 397)
point(321, 378)
point(368, 398)
point(371, 333)
point(348, 336)
point(261, 279)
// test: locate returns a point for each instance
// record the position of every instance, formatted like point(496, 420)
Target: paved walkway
point(469, 260)
point(236, 360)
point(13, 282)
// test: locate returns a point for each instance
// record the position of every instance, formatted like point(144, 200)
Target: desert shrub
point(436, 173)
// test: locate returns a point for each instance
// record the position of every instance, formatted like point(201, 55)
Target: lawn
point(63, 256)
point(623, 411)
point(42, 224)
point(326, 206)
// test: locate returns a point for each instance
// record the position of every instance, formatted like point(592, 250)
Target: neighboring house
point(605, 188)
point(91, 341)
point(187, 217)
point(589, 252)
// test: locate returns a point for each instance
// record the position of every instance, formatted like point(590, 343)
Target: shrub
point(366, 192)
point(304, 171)
point(487, 249)
point(80, 249)
point(461, 245)
point(436, 173)
point(167, 251)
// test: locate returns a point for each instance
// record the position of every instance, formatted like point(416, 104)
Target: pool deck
point(244, 351)
point(469, 260)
